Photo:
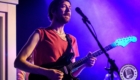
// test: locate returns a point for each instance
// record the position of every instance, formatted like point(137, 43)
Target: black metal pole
point(113, 66)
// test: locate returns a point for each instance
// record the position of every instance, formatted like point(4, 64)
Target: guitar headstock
point(124, 41)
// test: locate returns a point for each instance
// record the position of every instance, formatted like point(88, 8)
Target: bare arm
point(78, 70)
point(21, 60)
point(89, 63)
point(22, 63)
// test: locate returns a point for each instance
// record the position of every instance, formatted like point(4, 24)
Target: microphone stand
point(113, 66)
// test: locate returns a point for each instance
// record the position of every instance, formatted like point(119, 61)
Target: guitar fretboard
point(94, 54)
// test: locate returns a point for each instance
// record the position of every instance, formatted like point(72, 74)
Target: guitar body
point(64, 69)
point(61, 65)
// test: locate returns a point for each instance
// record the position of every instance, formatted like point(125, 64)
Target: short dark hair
point(54, 6)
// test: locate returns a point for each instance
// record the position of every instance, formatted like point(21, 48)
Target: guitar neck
point(94, 54)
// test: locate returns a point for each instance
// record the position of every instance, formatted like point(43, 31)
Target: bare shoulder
point(30, 45)
point(26, 51)
point(35, 36)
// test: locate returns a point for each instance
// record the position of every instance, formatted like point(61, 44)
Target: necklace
point(59, 33)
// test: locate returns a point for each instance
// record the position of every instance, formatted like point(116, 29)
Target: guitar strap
point(69, 51)
point(69, 42)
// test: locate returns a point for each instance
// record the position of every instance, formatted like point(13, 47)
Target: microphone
point(78, 10)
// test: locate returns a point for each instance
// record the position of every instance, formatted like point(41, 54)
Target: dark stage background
point(111, 19)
